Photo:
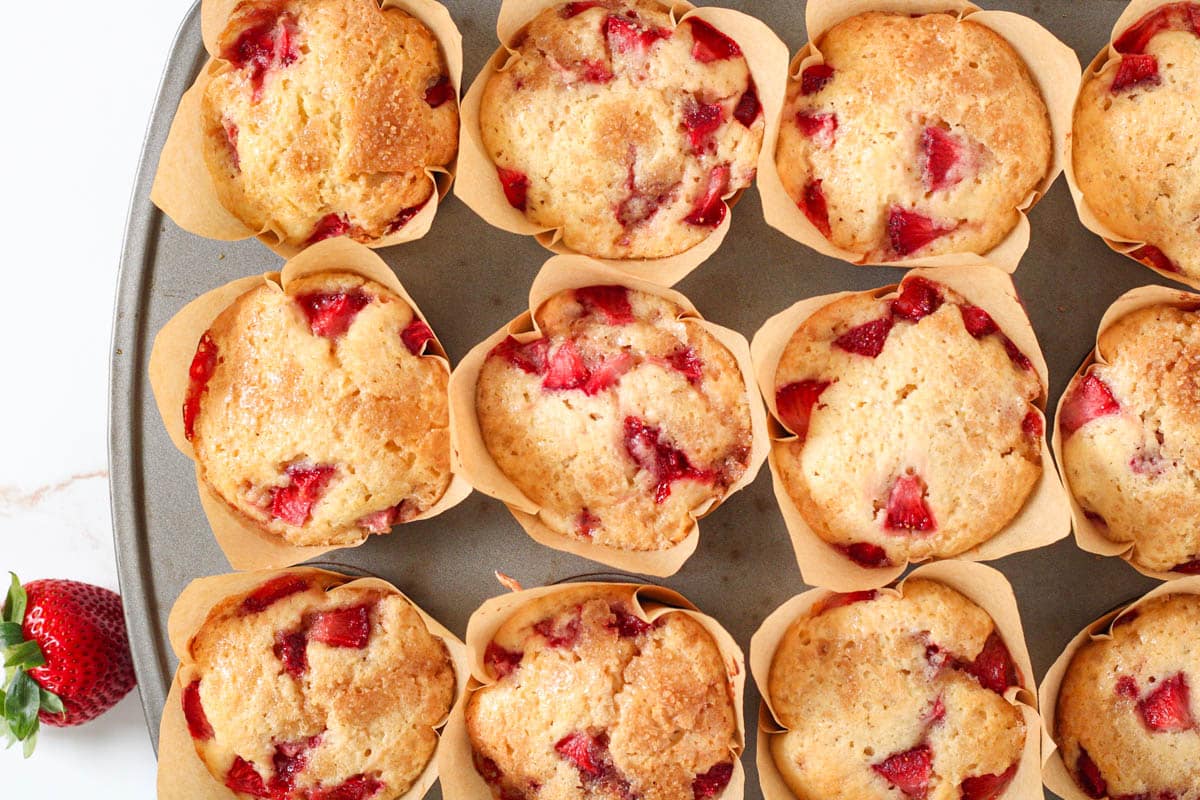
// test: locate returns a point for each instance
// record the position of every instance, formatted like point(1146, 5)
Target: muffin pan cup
point(245, 544)
point(1053, 65)
point(1045, 517)
point(183, 186)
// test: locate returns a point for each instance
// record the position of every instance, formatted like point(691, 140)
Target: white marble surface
point(80, 82)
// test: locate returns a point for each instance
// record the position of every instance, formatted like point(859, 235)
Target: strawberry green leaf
point(26, 655)
point(29, 743)
point(10, 634)
point(21, 705)
point(51, 703)
point(14, 603)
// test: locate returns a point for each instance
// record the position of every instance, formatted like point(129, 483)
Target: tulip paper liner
point(1045, 517)
point(471, 456)
point(460, 780)
point(245, 544)
point(181, 773)
point(1053, 66)
point(183, 186)
point(982, 585)
point(480, 189)
point(1055, 774)
point(1088, 536)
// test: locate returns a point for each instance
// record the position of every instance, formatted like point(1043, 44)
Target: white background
point(80, 80)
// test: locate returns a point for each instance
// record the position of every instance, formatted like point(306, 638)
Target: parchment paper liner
point(1087, 535)
point(245, 545)
point(480, 189)
point(1055, 775)
point(471, 457)
point(181, 774)
point(1045, 517)
point(1052, 64)
point(460, 781)
point(984, 586)
point(184, 188)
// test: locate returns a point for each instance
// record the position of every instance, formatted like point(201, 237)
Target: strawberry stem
point(22, 698)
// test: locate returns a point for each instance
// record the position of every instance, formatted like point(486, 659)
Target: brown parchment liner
point(243, 542)
point(1088, 536)
point(480, 189)
point(1055, 774)
point(1053, 65)
point(1045, 517)
point(982, 585)
point(472, 460)
point(1104, 62)
point(181, 773)
point(184, 188)
point(460, 781)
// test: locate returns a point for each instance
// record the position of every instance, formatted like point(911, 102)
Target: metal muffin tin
point(470, 279)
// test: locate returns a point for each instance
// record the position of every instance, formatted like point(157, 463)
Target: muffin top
point(592, 701)
point(323, 115)
point(919, 135)
point(303, 689)
point(1125, 717)
point(895, 697)
point(1131, 437)
point(619, 420)
point(1138, 175)
point(313, 414)
point(917, 433)
point(622, 129)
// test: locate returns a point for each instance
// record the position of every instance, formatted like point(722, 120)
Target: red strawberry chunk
point(795, 402)
point(330, 314)
point(1087, 774)
point(710, 44)
point(1171, 16)
point(1134, 71)
point(938, 712)
point(566, 369)
point(243, 777)
point(1127, 688)
point(588, 753)
point(639, 206)
point(748, 106)
point(596, 71)
point(701, 121)
point(1188, 567)
point(686, 361)
point(1031, 425)
point(204, 364)
point(416, 335)
point(344, 627)
point(628, 625)
point(1090, 399)
point(918, 299)
point(909, 231)
point(1014, 353)
point(908, 771)
point(231, 137)
point(1168, 708)
point(836, 600)
point(294, 502)
point(627, 36)
point(1151, 256)
point(815, 78)
point(607, 373)
point(867, 339)
point(530, 357)
point(818, 126)
point(272, 592)
point(499, 661)
point(292, 649)
point(978, 322)
point(515, 185)
point(404, 217)
point(575, 9)
point(193, 712)
point(381, 521)
point(612, 301)
point(993, 667)
point(587, 524)
point(940, 154)
point(488, 769)
point(328, 227)
point(712, 783)
point(565, 634)
point(865, 554)
point(710, 210)
point(439, 92)
point(987, 787)
point(814, 207)
point(267, 44)
point(665, 463)
point(360, 787)
point(906, 506)
point(289, 761)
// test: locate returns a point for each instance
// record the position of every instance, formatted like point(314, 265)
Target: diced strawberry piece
point(1090, 399)
point(501, 662)
point(993, 667)
point(515, 185)
point(814, 207)
point(819, 126)
point(193, 712)
point(566, 369)
point(204, 364)
point(1151, 256)
point(865, 554)
point(701, 121)
point(665, 463)
point(1188, 567)
point(291, 647)
point(575, 9)
point(748, 106)
point(938, 712)
point(1168, 708)
point(416, 335)
point(343, 627)
point(564, 635)
point(231, 137)
point(638, 206)
point(1014, 353)
point(272, 592)
point(1095, 518)
point(918, 299)
point(606, 374)
point(294, 502)
point(588, 753)
point(987, 787)
point(712, 783)
point(628, 625)
point(867, 339)
point(289, 761)
point(978, 322)
point(908, 771)
point(1136, 70)
point(909, 231)
point(940, 153)
point(1171, 16)
point(1031, 425)
point(596, 71)
point(330, 314)
point(530, 357)
point(686, 361)
point(709, 212)
point(815, 78)
point(710, 44)
point(906, 507)
point(268, 43)
point(626, 35)
point(360, 787)
point(439, 92)
point(836, 600)
point(381, 521)
point(1087, 774)
point(488, 769)
point(587, 524)
point(405, 216)
point(328, 227)
point(795, 402)
point(1127, 687)
point(243, 777)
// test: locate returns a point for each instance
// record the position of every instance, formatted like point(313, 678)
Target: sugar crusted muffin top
point(1135, 140)
point(1125, 722)
point(590, 700)
point(917, 136)
point(896, 697)
point(303, 689)
point(621, 128)
point(313, 414)
point(619, 420)
point(323, 117)
point(917, 429)
point(1131, 437)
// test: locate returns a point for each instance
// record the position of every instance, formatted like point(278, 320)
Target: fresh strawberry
point(330, 314)
point(795, 402)
point(1088, 400)
point(906, 506)
point(66, 655)
point(701, 121)
point(814, 207)
point(748, 106)
point(711, 783)
point(628, 625)
point(193, 713)
point(867, 339)
point(710, 210)
point(815, 78)
point(439, 92)
point(909, 231)
point(918, 299)
point(382, 521)
point(1134, 71)
point(836, 600)
point(272, 592)
point(1171, 16)
point(1032, 426)
point(515, 185)
point(1015, 354)
point(328, 227)
point(607, 373)
point(501, 662)
point(587, 524)
point(244, 778)
point(575, 9)
point(1087, 775)
point(941, 152)
point(266, 44)
point(1188, 567)
point(406, 214)
point(588, 753)
point(987, 787)
point(1127, 688)
point(821, 127)
point(1151, 256)
point(993, 667)
point(978, 322)
point(685, 361)
point(710, 44)
point(291, 648)
point(611, 301)
point(644, 444)
point(908, 771)
point(204, 364)
point(1168, 708)
point(565, 369)
point(530, 357)
point(416, 335)
point(626, 35)
point(359, 787)
point(556, 635)
point(289, 761)
point(865, 554)
point(344, 627)
point(293, 503)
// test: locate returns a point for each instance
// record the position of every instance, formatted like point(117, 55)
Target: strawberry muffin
point(896, 697)
point(304, 689)
point(323, 115)
point(918, 432)
point(592, 701)
point(1130, 433)
point(619, 420)
point(917, 136)
point(313, 413)
point(1138, 175)
point(1125, 719)
point(621, 129)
